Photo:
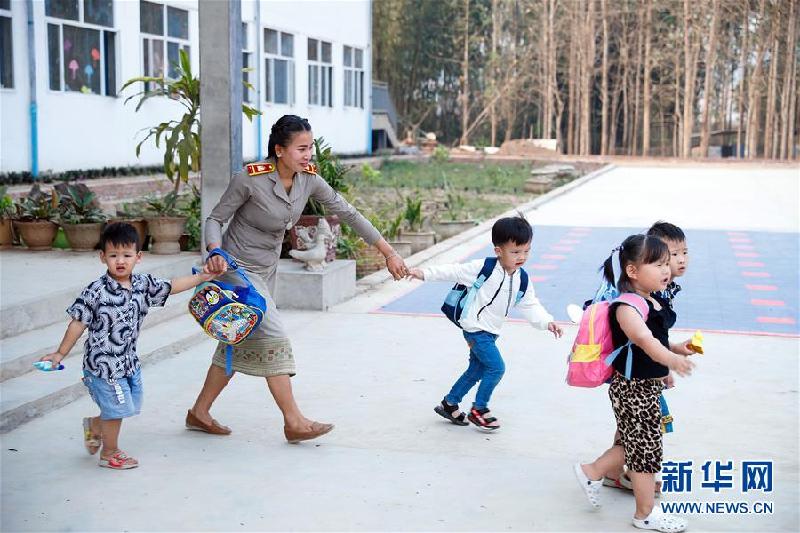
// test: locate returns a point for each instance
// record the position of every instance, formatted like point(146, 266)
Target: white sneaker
point(590, 488)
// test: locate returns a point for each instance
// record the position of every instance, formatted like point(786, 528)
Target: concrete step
point(35, 393)
point(39, 286)
point(18, 353)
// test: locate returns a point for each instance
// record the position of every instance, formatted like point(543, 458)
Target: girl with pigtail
point(636, 386)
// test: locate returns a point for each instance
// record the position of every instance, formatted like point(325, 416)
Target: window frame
point(320, 75)
point(268, 60)
point(355, 76)
point(104, 32)
point(165, 38)
point(6, 13)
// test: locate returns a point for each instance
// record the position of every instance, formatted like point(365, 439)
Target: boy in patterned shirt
point(113, 309)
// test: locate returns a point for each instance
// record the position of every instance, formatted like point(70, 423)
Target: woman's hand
point(397, 267)
point(215, 265)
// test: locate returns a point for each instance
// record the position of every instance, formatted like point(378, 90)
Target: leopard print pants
point(638, 413)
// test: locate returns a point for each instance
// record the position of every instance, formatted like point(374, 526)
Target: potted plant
point(393, 237)
point(166, 224)
point(182, 147)
point(81, 216)
point(35, 219)
point(7, 211)
point(190, 240)
point(333, 172)
point(454, 220)
point(134, 215)
point(418, 238)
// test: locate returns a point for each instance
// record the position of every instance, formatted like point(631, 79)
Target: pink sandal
point(119, 461)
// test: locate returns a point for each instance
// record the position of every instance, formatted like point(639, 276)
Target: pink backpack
point(593, 350)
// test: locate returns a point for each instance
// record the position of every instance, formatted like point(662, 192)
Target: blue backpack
point(461, 297)
point(226, 312)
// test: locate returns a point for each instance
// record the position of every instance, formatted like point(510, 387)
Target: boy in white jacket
point(483, 318)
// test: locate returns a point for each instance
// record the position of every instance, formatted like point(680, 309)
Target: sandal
point(659, 521)
point(480, 418)
point(118, 461)
point(448, 411)
point(590, 487)
point(91, 441)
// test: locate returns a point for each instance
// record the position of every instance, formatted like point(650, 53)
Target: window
point(353, 77)
point(279, 66)
point(81, 49)
point(320, 73)
point(6, 48)
point(247, 62)
point(163, 26)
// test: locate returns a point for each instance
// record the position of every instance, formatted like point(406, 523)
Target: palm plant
point(182, 138)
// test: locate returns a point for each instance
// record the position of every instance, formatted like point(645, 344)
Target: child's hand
point(555, 329)
point(683, 348)
point(207, 276)
point(55, 357)
point(669, 381)
point(681, 365)
point(415, 273)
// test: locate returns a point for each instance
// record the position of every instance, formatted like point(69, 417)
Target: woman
point(261, 203)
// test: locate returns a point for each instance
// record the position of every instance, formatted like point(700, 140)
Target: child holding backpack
point(639, 369)
point(113, 308)
point(486, 291)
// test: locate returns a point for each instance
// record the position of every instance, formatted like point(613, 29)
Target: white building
point(311, 58)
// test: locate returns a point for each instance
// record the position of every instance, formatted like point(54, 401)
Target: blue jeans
point(115, 402)
point(485, 365)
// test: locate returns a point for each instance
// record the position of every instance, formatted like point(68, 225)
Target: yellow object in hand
point(696, 344)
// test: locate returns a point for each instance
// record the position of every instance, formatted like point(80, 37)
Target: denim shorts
point(117, 401)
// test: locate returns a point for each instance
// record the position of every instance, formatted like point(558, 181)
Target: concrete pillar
point(220, 96)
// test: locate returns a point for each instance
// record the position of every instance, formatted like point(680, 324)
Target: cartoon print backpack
point(461, 297)
point(589, 363)
point(226, 312)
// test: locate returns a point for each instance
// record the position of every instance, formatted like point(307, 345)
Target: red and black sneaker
point(483, 419)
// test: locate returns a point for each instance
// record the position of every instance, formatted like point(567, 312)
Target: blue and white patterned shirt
point(113, 316)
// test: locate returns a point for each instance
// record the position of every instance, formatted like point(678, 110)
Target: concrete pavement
point(391, 463)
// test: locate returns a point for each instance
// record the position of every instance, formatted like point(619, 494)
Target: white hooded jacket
point(495, 298)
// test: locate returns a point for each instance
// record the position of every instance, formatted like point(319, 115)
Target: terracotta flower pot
point(311, 221)
point(83, 237)
point(37, 234)
point(139, 223)
point(419, 239)
point(6, 233)
point(166, 233)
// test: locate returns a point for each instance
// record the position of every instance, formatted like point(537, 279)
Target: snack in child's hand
point(696, 344)
point(47, 366)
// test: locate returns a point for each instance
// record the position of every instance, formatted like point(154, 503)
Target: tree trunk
point(494, 69)
point(465, 79)
point(772, 84)
point(646, 103)
point(711, 59)
point(634, 141)
point(572, 102)
point(689, 68)
point(743, 61)
point(789, 67)
point(604, 87)
point(754, 93)
point(588, 79)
